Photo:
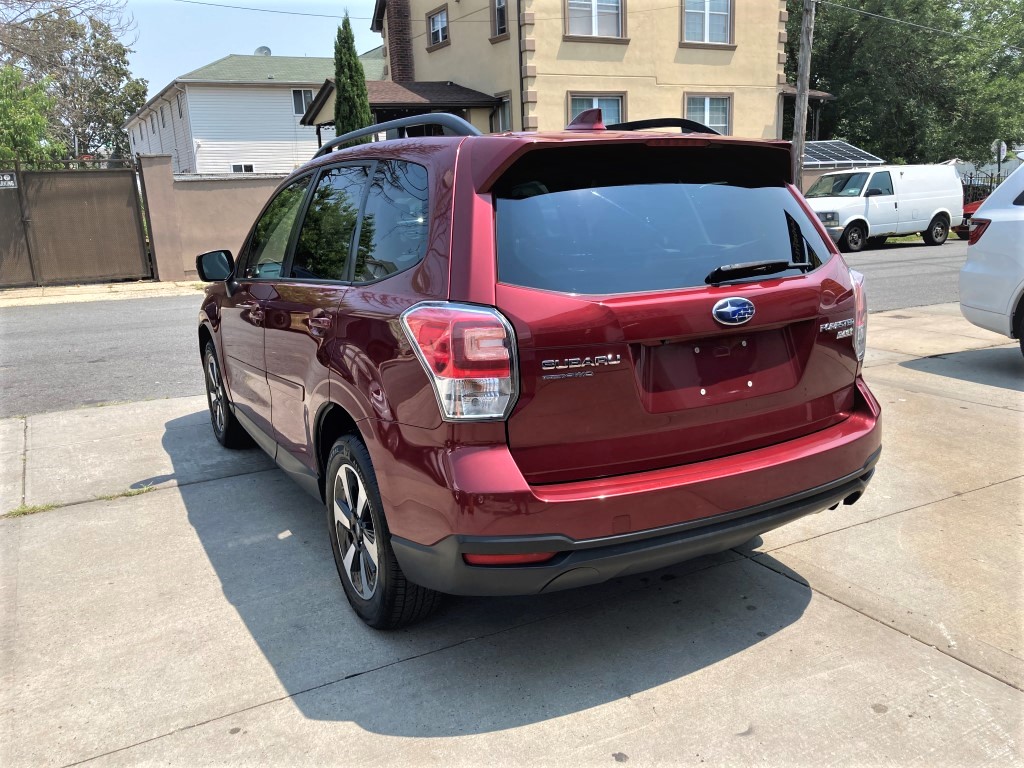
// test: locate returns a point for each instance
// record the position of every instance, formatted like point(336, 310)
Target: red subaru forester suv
point(520, 363)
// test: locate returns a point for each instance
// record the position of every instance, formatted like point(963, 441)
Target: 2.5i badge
point(843, 328)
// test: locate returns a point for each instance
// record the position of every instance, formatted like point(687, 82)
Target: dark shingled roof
point(425, 94)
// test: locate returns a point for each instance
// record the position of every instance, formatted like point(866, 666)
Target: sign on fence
point(8, 181)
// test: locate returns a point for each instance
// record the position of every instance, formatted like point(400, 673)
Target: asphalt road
point(60, 356)
point(902, 275)
point(64, 356)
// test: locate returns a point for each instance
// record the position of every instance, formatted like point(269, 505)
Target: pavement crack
point(504, 630)
point(24, 459)
point(156, 489)
point(865, 614)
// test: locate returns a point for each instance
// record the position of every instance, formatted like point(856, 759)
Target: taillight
point(977, 229)
point(860, 323)
point(470, 355)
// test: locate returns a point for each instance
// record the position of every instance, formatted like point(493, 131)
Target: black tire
point(226, 428)
point(380, 595)
point(1020, 327)
point(937, 232)
point(854, 238)
point(876, 242)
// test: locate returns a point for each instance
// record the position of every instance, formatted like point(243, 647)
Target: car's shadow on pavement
point(995, 366)
point(478, 665)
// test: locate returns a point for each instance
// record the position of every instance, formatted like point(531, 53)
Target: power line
point(674, 6)
point(922, 26)
point(270, 10)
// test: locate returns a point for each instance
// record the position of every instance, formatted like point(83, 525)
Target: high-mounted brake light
point(469, 354)
point(860, 324)
point(977, 229)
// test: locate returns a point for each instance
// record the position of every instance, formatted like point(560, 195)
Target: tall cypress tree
point(351, 103)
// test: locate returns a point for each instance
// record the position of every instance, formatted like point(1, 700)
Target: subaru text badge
point(733, 311)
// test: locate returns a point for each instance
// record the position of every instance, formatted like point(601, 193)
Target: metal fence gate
point(80, 223)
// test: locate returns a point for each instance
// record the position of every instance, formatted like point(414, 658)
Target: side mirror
point(874, 192)
point(214, 266)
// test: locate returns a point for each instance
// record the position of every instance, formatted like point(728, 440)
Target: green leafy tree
point(912, 95)
point(85, 67)
point(20, 22)
point(23, 119)
point(351, 102)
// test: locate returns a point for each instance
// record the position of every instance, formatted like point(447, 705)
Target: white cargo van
point(863, 206)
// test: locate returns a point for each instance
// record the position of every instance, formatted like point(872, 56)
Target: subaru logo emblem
point(733, 311)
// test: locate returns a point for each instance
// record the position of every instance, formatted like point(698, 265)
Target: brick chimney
point(399, 41)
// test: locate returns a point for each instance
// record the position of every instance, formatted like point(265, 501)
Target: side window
point(325, 240)
point(882, 181)
point(394, 232)
point(269, 243)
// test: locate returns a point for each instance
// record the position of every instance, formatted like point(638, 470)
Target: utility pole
point(803, 83)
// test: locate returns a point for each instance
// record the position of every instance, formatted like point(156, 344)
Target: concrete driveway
point(202, 622)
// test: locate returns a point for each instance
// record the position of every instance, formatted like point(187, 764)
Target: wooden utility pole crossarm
point(803, 83)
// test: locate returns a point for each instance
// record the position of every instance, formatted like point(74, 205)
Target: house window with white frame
point(301, 99)
point(180, 115)
point(610, 106)
point(152, 124)
point(437, 27)
point(500, 18)
point(503, 115)
point(595, 18)
point(707, 21)
point(712, 111)
point(242, 168)
point(163, 118)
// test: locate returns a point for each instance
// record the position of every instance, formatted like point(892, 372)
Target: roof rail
point(684, 126)
point(452, 122)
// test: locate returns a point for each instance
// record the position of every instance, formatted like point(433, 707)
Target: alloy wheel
point(356, 536)
point(215, 393)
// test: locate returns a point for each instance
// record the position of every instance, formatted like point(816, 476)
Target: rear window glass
point(566, 230)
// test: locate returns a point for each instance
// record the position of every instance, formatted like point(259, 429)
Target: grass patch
point(26, 509)
point(128, 493)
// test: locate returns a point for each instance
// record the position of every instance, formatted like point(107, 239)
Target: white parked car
point(992, 280)
point(863, 206)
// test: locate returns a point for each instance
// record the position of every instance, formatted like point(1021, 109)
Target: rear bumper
point(591, 561)
point(990, 321)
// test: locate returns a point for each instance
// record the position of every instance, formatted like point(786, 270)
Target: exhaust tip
point(853, 498)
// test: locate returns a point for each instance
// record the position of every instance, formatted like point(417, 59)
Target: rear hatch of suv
point(640, 346)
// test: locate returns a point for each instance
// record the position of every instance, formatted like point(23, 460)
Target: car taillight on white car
point(469, 354)
point(860, 323)
point(977, 229)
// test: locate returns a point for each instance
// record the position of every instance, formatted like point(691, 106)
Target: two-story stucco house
point(719, 62)
point(239, 114)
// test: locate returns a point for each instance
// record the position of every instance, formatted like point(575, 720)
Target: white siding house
point(238, 115)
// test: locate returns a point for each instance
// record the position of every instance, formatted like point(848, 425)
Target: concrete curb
point(67, 294)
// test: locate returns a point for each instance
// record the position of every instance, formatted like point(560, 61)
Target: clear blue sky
point(172, 38)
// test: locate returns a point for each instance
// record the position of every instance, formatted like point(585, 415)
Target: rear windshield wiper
point(751, 269)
